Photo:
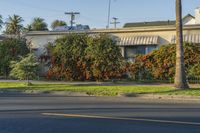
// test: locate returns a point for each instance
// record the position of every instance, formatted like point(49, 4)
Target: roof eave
point(120, 30)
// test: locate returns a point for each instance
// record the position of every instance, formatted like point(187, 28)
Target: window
point(131, 51)
point(149, 49)
point(141, 49)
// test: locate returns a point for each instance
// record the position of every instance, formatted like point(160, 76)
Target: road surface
point(51, 114)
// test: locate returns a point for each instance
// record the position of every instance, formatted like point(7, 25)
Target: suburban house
point(134, 38)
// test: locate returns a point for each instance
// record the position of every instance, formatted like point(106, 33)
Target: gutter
point(120, 30)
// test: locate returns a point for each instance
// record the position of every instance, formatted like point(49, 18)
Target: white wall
point(165, 36)
point(189, 21)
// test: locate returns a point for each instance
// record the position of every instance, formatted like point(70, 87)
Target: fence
point(191, 80)
point(194, 80)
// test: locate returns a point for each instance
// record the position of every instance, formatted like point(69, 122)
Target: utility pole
point(109, 7)
point(72, 17)
point(115, 22)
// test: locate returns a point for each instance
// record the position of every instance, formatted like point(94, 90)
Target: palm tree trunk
point(180, 77)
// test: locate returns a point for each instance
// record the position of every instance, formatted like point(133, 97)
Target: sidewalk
point(152, 97)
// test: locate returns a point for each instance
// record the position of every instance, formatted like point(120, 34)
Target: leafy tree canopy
point(160, 64)
point(26, 68)
point(106, 59)
point(83, 57)
point(11, 49)
point(1, 21)
point(68, 57)
point(38, 24)
point(14, 25)
point(57, 23)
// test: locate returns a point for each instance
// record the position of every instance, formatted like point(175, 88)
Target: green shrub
point(160, 64)
point(84, 57)
point(11, 49)
point(26, 68)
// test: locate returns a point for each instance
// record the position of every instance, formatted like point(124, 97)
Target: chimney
point(197, 15)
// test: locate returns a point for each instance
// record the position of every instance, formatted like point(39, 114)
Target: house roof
point(121, 30)
point(188, 15)
point(154, 23)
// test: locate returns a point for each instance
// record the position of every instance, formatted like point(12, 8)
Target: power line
point(24, 4)
point(72, 17)
point(115, 22)
point(90, 19)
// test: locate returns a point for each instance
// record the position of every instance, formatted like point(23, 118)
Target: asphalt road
point(48, 114)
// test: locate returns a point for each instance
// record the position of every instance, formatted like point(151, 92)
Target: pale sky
point(94, 12)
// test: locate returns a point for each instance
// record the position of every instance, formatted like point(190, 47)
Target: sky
point(94, 12)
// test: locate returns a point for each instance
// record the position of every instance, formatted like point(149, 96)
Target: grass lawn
point(102, 90)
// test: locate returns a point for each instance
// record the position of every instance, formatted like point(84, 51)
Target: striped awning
point(193, 38)
point(138, 40)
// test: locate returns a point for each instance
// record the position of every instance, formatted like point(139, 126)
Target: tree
point(57, 23)
point(160, 63)
point(1, 21)
point(26, 68)
point(14, 25)
point(106, 59)
point(39, 24)
point(67, 55)
point(82, 57)
point(10, 50)
point(180, 76)
point(27, 28)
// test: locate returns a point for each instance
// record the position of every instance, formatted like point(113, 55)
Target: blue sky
point(94, 12)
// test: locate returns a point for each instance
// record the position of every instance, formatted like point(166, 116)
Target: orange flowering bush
point(160, 64)
point(84, 57)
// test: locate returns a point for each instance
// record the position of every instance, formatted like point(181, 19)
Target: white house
point(134, 38)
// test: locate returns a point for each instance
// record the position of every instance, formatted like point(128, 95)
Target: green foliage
point(194, 71)
point(160, 64)
point(68, 57)
point(27, 28)
point(11, 49)
point(105, 56)
point(14, 25)
point(38, 24)
point(57, 23)
point(1, 21)
point(82, 57)
point(26, 68)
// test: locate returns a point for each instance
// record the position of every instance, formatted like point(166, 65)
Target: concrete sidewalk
point(157, 97)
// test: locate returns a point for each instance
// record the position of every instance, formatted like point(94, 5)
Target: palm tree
point(38, 24)
point(180, 77)
point(14, 25)
point(1, 21)
point(27, 28)
point(57, 23)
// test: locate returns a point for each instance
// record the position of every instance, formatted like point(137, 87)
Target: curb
point(14, 92)
point(162, 97)
point(39, 92)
